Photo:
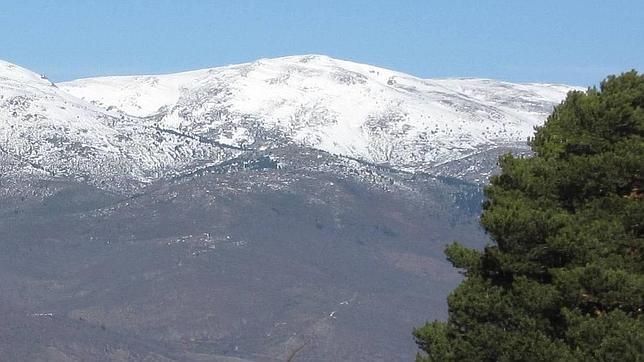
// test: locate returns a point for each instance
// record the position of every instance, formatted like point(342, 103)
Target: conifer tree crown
point(564, 279)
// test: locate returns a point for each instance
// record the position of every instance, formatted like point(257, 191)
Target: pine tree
point(564, 278)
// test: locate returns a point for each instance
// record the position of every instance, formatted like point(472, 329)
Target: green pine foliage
point(564, 279)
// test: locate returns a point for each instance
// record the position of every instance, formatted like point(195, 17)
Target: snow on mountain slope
point(46, 131)
point(134, 129)
point(341, 107)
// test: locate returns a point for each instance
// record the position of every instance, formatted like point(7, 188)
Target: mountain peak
point(341, 107)
point(146, 126)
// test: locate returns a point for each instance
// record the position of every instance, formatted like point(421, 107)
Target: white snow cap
point(341, 107)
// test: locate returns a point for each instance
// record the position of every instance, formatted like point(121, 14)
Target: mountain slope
point(312, 259)
point(45, 131)
point(344, 108)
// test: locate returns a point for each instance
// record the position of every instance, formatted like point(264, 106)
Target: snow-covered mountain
point(48, 132)
point(249, 212)
point(147, 126)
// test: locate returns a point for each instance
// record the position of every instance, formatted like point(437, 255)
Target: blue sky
point(575, 42)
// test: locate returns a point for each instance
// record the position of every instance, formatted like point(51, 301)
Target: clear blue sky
point(565, 41)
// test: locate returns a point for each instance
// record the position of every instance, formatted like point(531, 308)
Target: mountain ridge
point(141, 128)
